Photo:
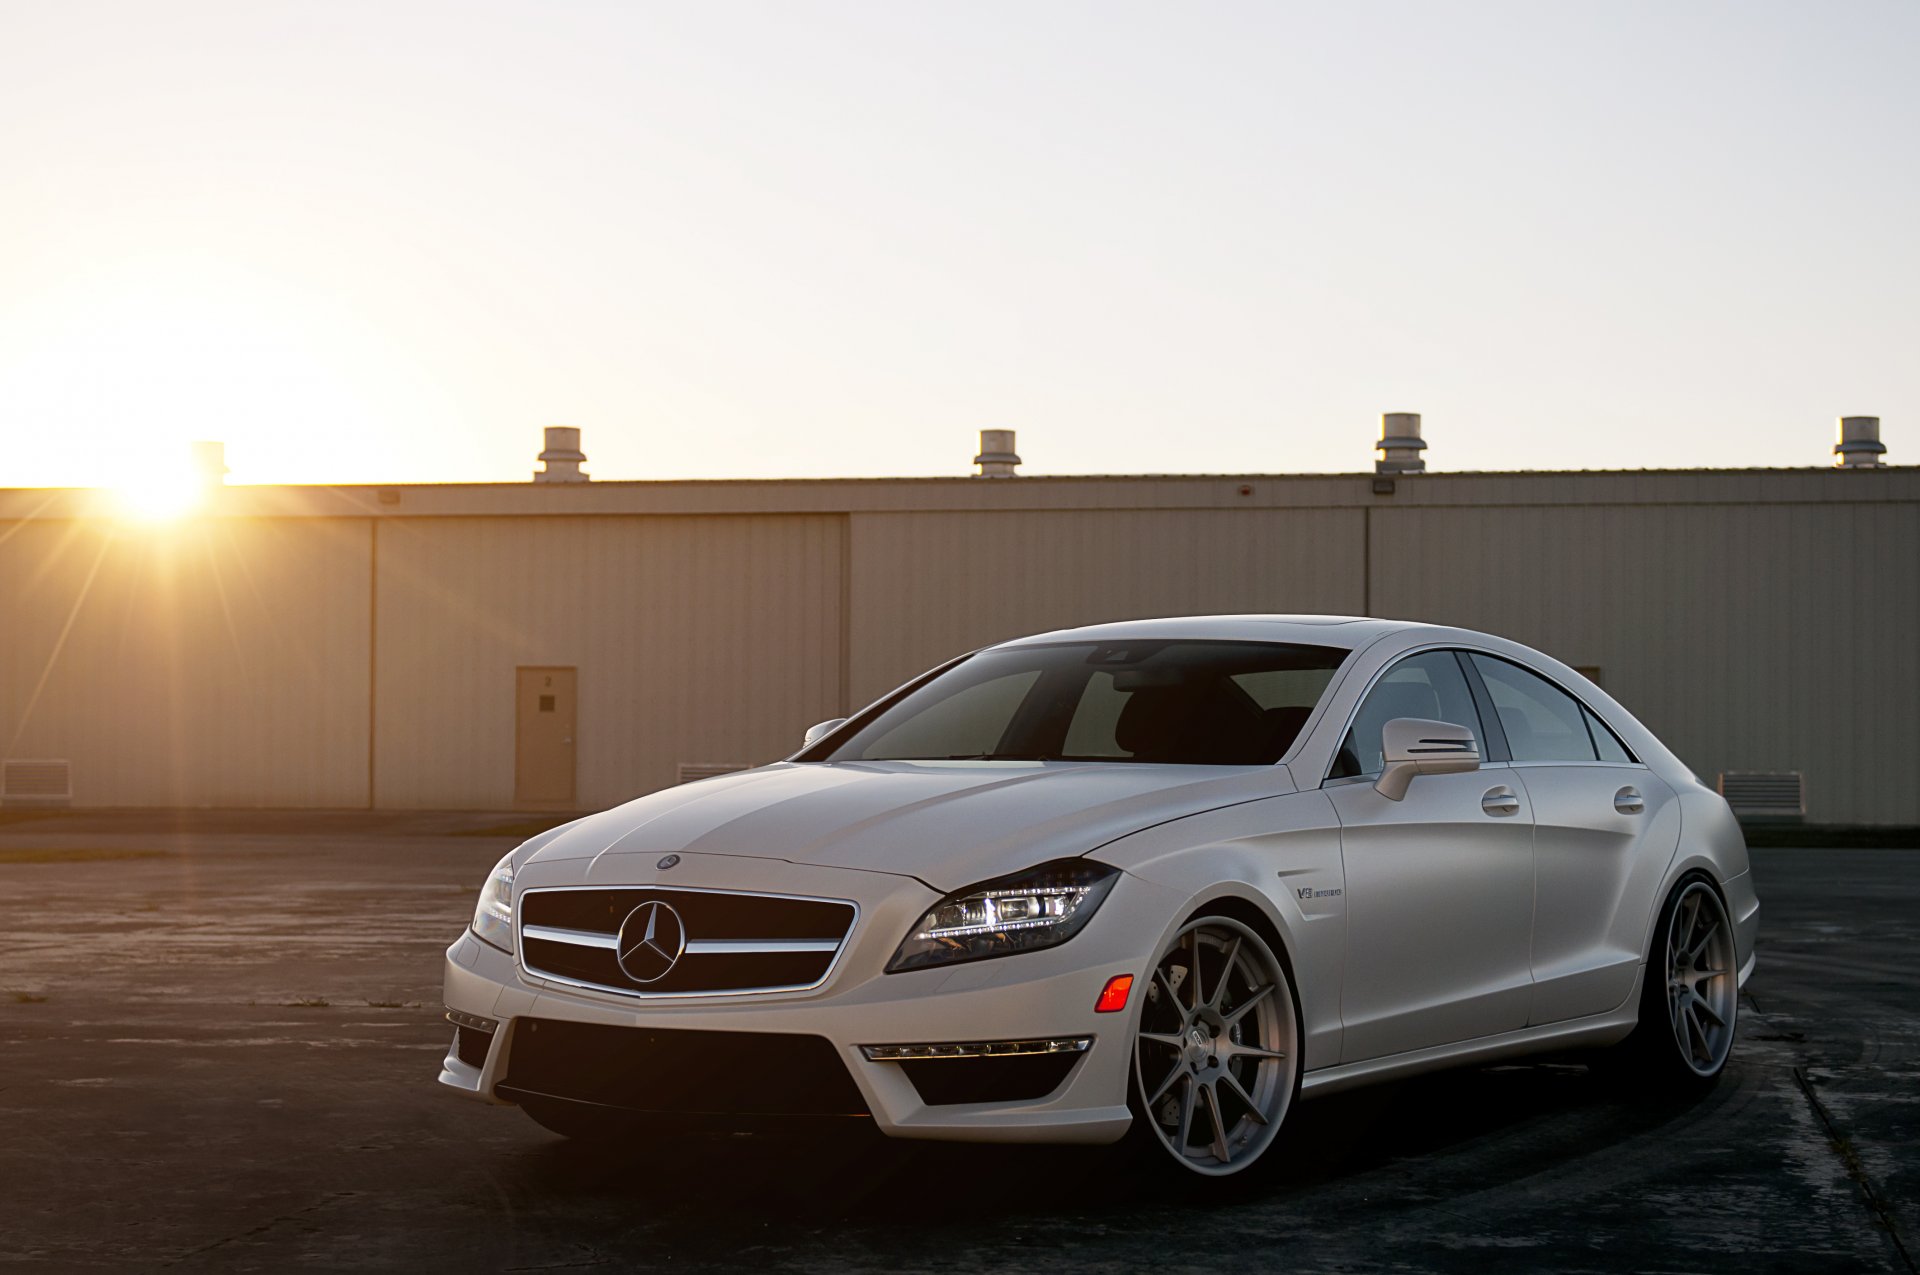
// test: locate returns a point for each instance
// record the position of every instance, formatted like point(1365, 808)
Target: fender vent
point(690, 771)
point(36, 783)
point(1764, 794)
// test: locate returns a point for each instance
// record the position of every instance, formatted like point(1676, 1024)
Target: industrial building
point(569, 644)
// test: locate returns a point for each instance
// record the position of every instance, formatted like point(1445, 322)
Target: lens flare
point(158, 496)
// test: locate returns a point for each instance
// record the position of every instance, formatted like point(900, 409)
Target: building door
point(546, 713)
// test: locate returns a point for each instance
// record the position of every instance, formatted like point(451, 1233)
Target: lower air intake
point(943, 1082)
point(679, 1073)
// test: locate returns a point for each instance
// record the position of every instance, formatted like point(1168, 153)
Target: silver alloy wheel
point(1702, 998)
point(1216, 1056)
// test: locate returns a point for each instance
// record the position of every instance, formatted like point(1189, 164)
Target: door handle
point(1500, 801)
point(1628, 801)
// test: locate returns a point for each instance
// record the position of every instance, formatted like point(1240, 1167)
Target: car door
point(1605, 828)
point(1439, 885)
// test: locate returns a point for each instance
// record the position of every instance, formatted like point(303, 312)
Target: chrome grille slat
point(581, 938)
point(735, 943)
point(695, 947)
point(714, 947)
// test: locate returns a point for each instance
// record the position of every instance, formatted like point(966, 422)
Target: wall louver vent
point(692, 770)
point(1764, 794)
point(36, 783)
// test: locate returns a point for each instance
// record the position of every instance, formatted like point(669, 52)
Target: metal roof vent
point(1400, 444)
point(562, 457)
point(1859, 446)
point(36, 783)
point(1765, 794)
point(996, 458)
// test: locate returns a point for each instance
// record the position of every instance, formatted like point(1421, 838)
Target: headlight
point(1041, 907)
point(493, 916)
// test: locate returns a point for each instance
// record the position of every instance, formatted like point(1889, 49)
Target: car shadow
point(1500, 1121)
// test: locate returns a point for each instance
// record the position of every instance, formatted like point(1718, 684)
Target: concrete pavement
point(218, 1044)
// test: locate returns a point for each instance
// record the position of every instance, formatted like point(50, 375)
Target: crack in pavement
point(329, 1198)
point(1881, 1212)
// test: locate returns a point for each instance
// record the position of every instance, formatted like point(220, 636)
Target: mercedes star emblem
point(651, 940)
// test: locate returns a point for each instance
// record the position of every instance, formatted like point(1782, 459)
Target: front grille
point(681, 1073)
point(730, 943)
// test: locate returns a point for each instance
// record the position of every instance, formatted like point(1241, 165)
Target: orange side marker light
point(1113, 997)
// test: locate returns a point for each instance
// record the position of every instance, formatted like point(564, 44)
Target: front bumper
point(1037, 995)
point(1744, 905)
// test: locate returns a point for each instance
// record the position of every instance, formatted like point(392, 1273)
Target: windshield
point(1191, 703)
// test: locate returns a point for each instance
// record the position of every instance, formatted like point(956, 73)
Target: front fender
point(1279, 856)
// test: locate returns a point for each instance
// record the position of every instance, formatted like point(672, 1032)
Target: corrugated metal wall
point(335, 646)
point(698, 639)
point(927, 586)
point(1748, 637)
point(215, 663)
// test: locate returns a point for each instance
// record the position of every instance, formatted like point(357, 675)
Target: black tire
point(1684, 1038)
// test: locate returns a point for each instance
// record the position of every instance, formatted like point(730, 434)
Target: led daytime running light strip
point(473, 1021)
point(979, 1049)
point(1073, 894)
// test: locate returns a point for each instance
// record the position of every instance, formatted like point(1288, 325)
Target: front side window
point(1542, 722)
point(1184, 703)
point(1429, 686)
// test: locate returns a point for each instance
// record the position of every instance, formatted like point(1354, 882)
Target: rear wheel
point(1690, 996)
point(1216, 1063)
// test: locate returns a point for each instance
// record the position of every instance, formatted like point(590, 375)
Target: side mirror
point(820, 730)
point(1412, 746)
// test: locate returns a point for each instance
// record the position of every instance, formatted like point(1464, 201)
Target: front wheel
point(1216, 1064)
point(1690, 997)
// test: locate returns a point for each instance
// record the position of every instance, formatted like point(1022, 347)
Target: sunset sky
point(389, 242)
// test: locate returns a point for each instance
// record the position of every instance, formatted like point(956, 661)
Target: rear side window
point(1542, 722)
point(1095, 729)
point(1428, 686)
point(1284, 688)
point(1605, 742)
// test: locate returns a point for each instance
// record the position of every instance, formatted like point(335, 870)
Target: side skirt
point(1578, 1033)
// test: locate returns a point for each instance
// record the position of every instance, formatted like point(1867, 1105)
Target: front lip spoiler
point(795, 1123)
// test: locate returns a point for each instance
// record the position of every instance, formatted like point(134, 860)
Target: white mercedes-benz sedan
point(1167, 876)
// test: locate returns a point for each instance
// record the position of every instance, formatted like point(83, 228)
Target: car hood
point(948, 824)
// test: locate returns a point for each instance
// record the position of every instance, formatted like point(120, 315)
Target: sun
point(160, 495)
